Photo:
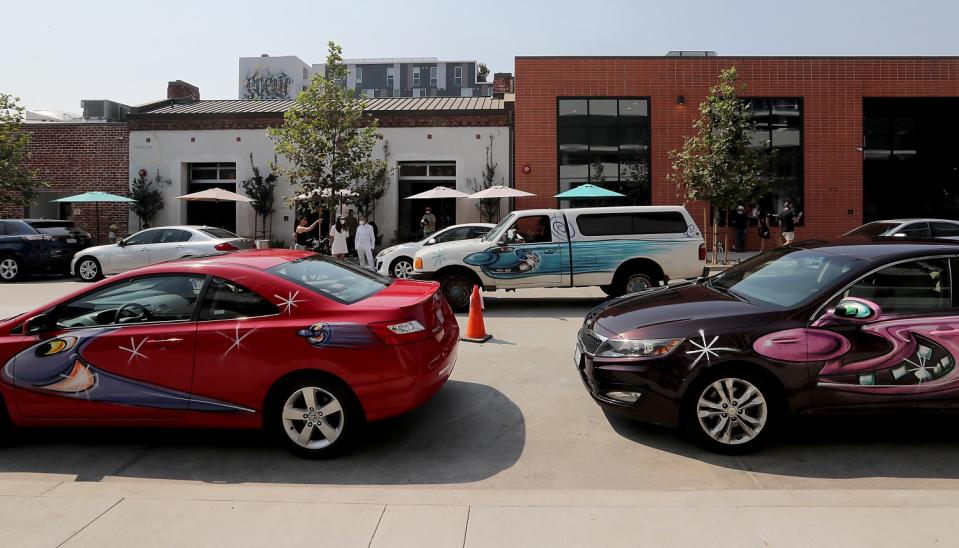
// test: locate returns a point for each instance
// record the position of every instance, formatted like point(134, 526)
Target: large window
point(433, 82)
point(779, 133)
point(204, 176)
point(458, 76)
point(605, 141)
point(416, 177)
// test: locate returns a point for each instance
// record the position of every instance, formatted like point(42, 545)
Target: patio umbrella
point(438, 193)
point(214, 195)
point(94, 197)
point(499, 191)
point(588, 191)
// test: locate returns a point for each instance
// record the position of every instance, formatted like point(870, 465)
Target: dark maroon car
point(814, 327)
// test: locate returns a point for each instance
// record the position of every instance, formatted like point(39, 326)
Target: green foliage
point(719, 164)
point(371, 189)
point(17, 183)
point(489, 208)
point(482, 72)
point(326, 137)
point(260, 190)
point(147, 198)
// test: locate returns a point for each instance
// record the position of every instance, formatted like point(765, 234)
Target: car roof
point(881, 247)
point(913, 220)
point(260, 259)
point(487, 225)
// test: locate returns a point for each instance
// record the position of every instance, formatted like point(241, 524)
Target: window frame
point(390, 78)
point(949, 258)
point(434, 80)
point(417, 80)
point(588, 126)
point(359, 76)
point(211, 279)
point(156, 231)
point(458, 76)
point(633, 222)
point(519, 218)
point(801, 198)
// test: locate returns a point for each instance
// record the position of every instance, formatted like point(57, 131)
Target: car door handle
point(164, 341)
point(549, 251)
point(144, 250)
point(944, 332)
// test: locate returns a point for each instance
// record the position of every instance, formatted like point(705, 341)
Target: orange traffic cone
point(475, 329)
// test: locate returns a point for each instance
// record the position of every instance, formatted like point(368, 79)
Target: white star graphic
point(235, 339)
point(707, 349)
point(438, 257)
point(921, 370)
point(134, 349)
point(288, 303)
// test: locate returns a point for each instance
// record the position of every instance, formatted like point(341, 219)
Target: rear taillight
point(225, 246)
point(399, 332)
point(702, 252)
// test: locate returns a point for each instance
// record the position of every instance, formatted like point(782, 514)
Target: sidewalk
point(123, 513)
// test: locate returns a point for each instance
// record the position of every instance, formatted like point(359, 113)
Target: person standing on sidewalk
point(301, 236)
point(787, 222)
point(428, 222)
point(739, 221)
point(364, 243)
point(351, 224)
point(763, 231)
point(339, 234)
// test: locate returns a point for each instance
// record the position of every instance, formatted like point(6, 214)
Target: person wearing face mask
point(364, 242)
point(339, 235)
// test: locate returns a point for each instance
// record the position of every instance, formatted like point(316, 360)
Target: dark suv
point(38, 246)
point(853, 326)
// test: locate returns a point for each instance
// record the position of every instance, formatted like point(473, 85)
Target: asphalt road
point(514, 420)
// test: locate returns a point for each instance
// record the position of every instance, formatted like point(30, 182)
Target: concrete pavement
point(511, 452)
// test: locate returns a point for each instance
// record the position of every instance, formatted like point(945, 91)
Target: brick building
point(74, 158)
point(855, 139)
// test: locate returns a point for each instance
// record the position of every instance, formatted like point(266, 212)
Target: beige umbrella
point(214, 195)
point(439, 192)
point(499, 191)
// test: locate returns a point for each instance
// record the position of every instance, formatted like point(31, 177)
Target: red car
point(303, 345)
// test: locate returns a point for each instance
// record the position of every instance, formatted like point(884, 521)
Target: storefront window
point(605, 141)
point(779, 134)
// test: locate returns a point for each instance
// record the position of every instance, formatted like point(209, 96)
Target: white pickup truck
point(620, 249)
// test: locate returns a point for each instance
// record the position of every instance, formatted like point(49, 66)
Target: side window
point(529, 230)
point(477, 231)
point(916, 230)
point(945, 230)
point(226, 300)
point(172, 235)
point(19, 228)
point(139, 300)
point(911, 287)
point(141, 238)
point(453, 235)
point(3, 228)
point(618, 224)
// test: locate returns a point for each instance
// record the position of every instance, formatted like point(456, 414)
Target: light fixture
point(680, 99)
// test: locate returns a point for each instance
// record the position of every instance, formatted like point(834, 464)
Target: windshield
point(488, 237)
point(872, 229)
point(331, 278)
point(784, 276)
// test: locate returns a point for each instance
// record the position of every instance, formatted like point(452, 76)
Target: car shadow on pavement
point(539, 307)
point(466, 433)
point(846, 447)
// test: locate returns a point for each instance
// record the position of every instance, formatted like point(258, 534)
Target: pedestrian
point(301, 234)
point(428, 222)
point(763, 231)
point(739, 221)
point(351, 224)
point(339, 234)
point(365, 241)
point(787, 222)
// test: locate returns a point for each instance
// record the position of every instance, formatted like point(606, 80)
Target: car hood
point(464, 246)
point(676, 311)
point(96, 250)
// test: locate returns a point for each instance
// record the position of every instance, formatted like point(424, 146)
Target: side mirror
point(501, 242)
point(121, 243)
point(850, 310)
point(39, 324)
point(431, 241)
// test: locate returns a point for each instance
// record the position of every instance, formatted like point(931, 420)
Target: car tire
point(719, 419)
point(11, 269)
point(89, 270)
point(634, 282)
point(325, 429)
point(457, 289)
point(400, 265)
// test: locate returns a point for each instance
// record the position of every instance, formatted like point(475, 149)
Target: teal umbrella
point(588, 191)
point(94, 197)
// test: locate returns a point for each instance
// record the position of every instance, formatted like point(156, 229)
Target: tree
point(147, 197)
point(260, 190)
point(326, 137)
point(370, 190)
point(482, 72)
point(17, 183)
point(719, 165)
point(489, 208)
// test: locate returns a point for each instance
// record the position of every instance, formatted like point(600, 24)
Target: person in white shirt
point(339, 234)
point(364, 243)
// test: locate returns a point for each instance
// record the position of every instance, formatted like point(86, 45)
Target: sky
point(58, 52)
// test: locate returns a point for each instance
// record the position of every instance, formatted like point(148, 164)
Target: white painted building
point(433, 141)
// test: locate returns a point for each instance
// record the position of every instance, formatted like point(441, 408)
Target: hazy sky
point(57, 53)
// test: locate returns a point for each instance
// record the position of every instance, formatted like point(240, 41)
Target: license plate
point(71, 240)
point(577, 356)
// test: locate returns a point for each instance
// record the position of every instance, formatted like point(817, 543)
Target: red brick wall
point(78, 158)
point(832, 90)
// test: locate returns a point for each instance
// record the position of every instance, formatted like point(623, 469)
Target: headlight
point(629, 348)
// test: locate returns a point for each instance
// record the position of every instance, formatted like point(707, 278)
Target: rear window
point(870, 230)
point(331, 278)
point(218, 233)
point(18, 228)
point(618, 224)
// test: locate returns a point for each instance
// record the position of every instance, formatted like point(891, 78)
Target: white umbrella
point(214, 195)
point(325, 193)
point(438, 193)
point(499, 191)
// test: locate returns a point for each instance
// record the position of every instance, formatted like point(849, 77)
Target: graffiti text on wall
point(264, 84)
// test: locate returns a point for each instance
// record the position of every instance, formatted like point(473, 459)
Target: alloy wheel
point(732, 411)
point(9, 269)
point(403, 269)
point(313, 418)
point(88, 269)
point(638, 283)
